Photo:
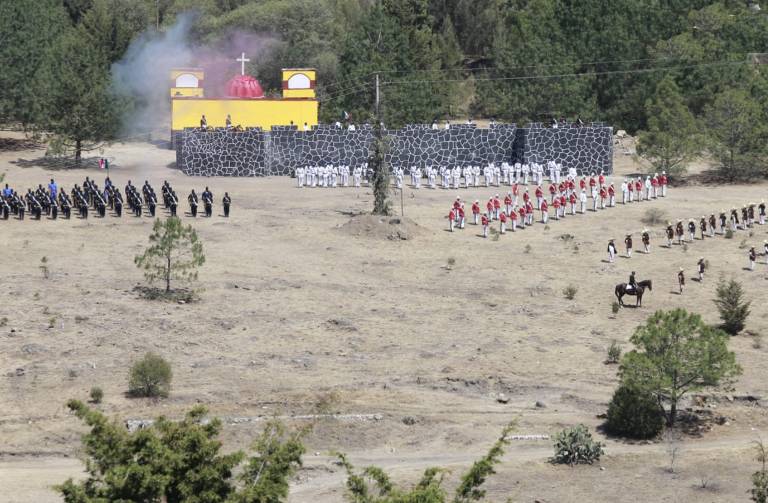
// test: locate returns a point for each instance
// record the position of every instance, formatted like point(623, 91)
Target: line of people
point(54, 200)
point(564, 198)
point(707, 227)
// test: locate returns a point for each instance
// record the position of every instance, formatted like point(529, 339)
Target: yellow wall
point(299, 93)
point(187, 91)
point(247, 113)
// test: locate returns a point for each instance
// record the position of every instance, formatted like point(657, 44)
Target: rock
point(540, 405)
point(20, 372)
point(602, 468)
point(182, 301)
point(502, 398)
point(409, 420)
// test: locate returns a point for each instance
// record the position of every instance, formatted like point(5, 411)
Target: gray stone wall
point(283, 149)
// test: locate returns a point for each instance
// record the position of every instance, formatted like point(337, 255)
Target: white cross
point(243, 60)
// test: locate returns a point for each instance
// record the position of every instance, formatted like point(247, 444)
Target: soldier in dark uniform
point(226, 201)
point(670, 235)
point(174, 202)
point(19, 205)
point(65, 204)
point(34, 205)
point(208, 202)
point(646, 237)
point(192, 198)
point(703, 226)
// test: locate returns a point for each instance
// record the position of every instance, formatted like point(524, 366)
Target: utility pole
point(377, 98)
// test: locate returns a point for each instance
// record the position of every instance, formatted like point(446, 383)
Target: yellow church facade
point(245, 102)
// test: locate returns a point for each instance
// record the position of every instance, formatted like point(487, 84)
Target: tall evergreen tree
point(672, 136)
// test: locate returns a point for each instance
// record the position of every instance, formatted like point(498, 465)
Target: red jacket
point(452, 215)
point(539, 192)
point(475, 208)
point(484, 220)
point(512, 215)
point(503, 217)
point(639, 185)
point(489, 206)
point(611, 190)
point(496, 203)
point(663, 179)
point(507, 200)
point(555, 203)
point(582, 184)
point(592, 182)
point(544, 206)
point(552, 188)
point(573, 198)
point(601, 179)
point(526, 197)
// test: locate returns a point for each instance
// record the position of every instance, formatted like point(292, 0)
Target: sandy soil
point(302, 311)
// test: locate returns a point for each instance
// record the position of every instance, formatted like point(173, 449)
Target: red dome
point(244, 86)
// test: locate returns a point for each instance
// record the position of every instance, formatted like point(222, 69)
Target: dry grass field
point(306, 309)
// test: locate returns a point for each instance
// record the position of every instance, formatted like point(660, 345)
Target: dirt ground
point(303, 311)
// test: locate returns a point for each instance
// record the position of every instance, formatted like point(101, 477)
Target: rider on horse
point(632, 283)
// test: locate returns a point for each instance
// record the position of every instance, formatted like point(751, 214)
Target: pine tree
point(672, 136)
point(176, 253)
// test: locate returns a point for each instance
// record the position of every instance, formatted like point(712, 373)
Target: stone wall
point(283, 149)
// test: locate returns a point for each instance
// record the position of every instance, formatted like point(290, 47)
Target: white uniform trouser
point(485, 231)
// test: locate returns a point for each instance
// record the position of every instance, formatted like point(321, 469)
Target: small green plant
point(569, 292)
point(743, 244)
point(759, 489)
point(97, 394)
point(685, 247)
point(527, 249)
point(731, 304)
point(3, 321)
point(44, 267)
point(494, 234)
point(615, 307)
point(52, 322)
point(614, 353)
point(150, 377)
point(546, 227)
point(36, 296)
point(575, 446)
point(451, 261)
point(633, 413)
point(729, 234)
point(654, 216)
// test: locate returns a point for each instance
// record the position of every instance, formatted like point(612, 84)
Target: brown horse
point(621, 291)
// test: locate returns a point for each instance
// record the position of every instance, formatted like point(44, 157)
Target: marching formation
point(54, 200)
point(568, 196)
point(721, 223)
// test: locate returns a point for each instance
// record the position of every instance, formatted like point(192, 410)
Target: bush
point(732, 306)
point(633, 413)
point(614, 353)
point(654, 216)
point(570, 292)
point(96, 394)
point(575, 446)
point(615, 307)
point(150, 377)
point(729, 234)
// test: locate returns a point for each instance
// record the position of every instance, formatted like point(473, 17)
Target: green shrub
point(575, 446)
point(150, 377)
point(570, 292)
point(96, 394)
point(615, 307)
point(614, 353)
point(732, 306)
point(654, 216)
point(633, 413)
point(729, 234)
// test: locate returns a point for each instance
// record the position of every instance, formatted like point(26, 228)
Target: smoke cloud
point(143, 74)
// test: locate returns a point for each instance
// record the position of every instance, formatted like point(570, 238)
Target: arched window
point(298, 81)
point(186, 80)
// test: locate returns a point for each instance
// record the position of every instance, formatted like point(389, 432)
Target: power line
point(566, 75)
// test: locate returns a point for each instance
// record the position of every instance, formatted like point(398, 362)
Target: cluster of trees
point(677, 71)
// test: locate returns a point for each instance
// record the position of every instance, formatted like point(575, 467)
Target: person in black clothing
point(632, 281)
point(208, 202)
point(192, 198)
point(226, 201)
point(174, 202)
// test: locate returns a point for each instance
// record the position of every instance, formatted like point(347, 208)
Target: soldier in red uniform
point(539, 196)
point(489, 208)
point(663, 183)
point(513, 219)
point(461, 217)
point(484, 221)
point(475, 211)
point(593, 186)
point(544, 212)
point(508, 202)
point(603, 197)
point(563, 203)
point(639, 189)
point(502, 222)
point(655, 185)
point(451, 219)
point(529, 212)
point(552, 192)
point(572, 200)
point(496, 207)
point(611, 196)
point(521, 212)
point(601, 179)
point(631, 190)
